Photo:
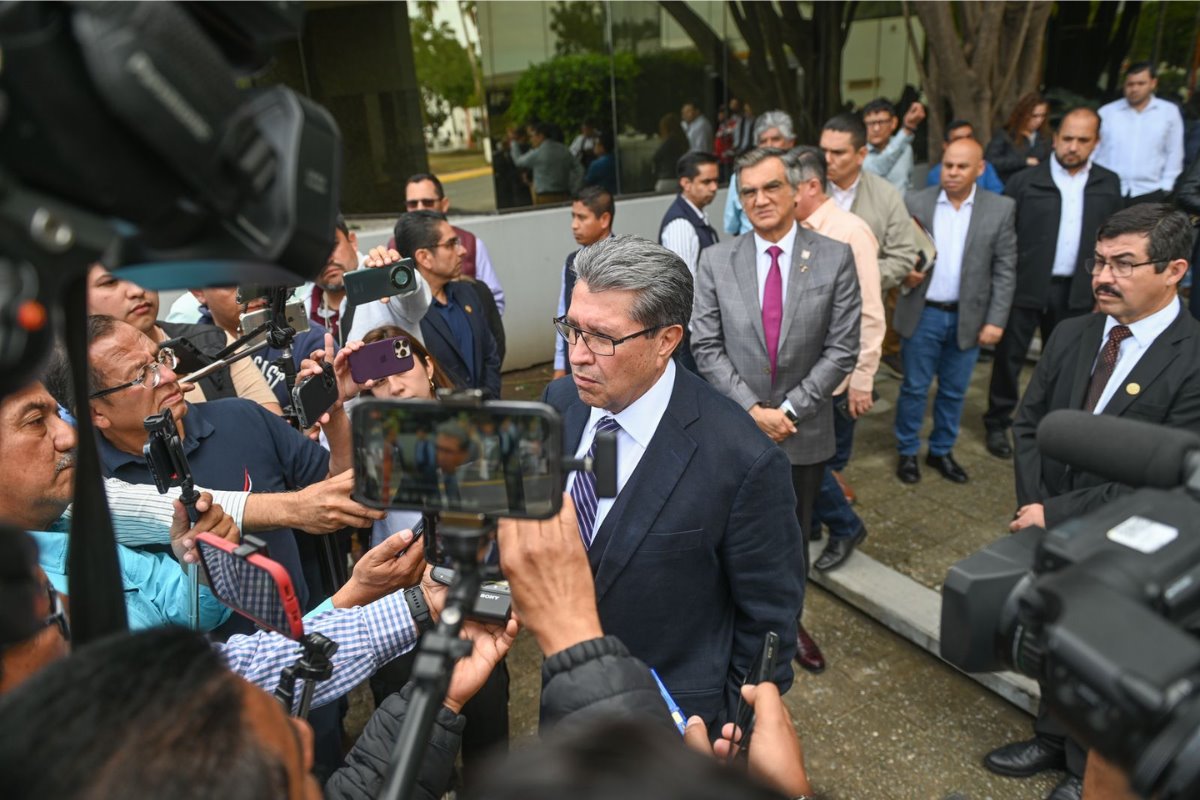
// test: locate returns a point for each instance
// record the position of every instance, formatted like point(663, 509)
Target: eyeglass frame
point(1088, 266)
point(155, 368)
point(561, 322)
point(58, 613)
point(452, 242)
point(422, 202)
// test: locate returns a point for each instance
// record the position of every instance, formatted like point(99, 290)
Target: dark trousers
point(832, 509)
point(1157, 196)
point(806, 480)
point(1047, 728)
point(1004, 389)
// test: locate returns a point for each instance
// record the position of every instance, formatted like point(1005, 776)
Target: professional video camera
point(1103, 610)
point(125, 138)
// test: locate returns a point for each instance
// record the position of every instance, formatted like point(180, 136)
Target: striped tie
point(583, 491)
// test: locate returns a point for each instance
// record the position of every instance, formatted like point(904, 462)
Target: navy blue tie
point(583, 490)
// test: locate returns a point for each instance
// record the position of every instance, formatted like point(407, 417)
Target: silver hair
point(660, 280)
point(752, 158)
point(774, 119)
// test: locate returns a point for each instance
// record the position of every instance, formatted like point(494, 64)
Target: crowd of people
point(730, 366)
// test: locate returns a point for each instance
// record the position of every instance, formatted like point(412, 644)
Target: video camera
point(1102, 610)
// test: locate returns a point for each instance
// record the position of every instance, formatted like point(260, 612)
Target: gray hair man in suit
point(776, 328)
point(962, 302)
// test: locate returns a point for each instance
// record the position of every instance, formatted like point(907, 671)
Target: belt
point(949, 308)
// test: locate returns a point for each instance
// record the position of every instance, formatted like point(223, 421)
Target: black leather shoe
point(998, 444)
point(1070, 788)
point(808, 655)
point(1022, 759)
point(949, 468)
point(838, 550)
point(907, 469)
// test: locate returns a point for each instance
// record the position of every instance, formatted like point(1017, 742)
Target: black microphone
point(1121, 450)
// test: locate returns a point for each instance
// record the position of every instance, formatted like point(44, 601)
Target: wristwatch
point(419, 609)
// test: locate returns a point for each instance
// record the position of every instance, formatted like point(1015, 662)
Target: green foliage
point(668, 79)
point(1177, 33)
point(443, 70)
point(568, 89)
point(578, 26)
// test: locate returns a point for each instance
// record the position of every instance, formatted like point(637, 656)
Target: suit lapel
point(797, 280)
point(646, 492)
point(745, 272)
point(1150, 365)
point(1089, 347)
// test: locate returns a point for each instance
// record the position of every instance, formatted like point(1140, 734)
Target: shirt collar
point(52, 550)
point(1147, 329)
point(821, 215)
point(1060, 172)
point(699, 212)
point(641, 417)
point(970, 201)
point(784, 244)
point(849, 189)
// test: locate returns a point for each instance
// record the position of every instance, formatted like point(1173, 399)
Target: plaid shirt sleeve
point(368, 637)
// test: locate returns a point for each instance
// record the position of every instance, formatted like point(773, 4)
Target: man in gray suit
point(775, 327)
point(962, 302)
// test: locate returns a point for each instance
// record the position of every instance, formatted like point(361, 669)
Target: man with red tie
point(776, 329)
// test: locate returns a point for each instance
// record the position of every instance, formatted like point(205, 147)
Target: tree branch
point(1018, 47)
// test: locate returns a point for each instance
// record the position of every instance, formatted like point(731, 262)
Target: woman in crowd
point(1025, 139)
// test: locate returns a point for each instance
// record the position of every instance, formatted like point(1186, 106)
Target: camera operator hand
point(552, 588)
point(395, 563)
point(322, 507)
point(212, 519)
point(347, 388)
point(381, 257)
point(489, 645)
point(775, 755)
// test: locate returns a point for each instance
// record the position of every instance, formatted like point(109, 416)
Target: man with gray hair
point(772, 129)
point(698, 556)
point(776, 329)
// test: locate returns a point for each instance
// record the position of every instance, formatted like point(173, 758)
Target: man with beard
point(1135, 358)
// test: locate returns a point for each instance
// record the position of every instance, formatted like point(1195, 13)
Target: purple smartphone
point(380, 359)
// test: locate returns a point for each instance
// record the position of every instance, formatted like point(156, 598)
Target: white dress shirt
point(844, 197)
point(1144, 147)
point(763, 262)
point(950, 226)
point(1144, 332)
point(1070, 221)
point(680, 237)
point(638, 423)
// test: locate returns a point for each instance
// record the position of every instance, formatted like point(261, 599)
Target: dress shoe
point(838, 550)
point(808, 655)
point(1070, 788)
point(907, 469)
point(998, 444)
point(1022, 759)
point(949, 468)
point(847, 489)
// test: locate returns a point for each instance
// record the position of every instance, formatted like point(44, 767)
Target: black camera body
point(1103, 611)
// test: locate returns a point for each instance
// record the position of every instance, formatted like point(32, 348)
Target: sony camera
point(1102, 610)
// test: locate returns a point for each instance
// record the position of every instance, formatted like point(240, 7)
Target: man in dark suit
point(698, 556)
point(960, 304)
point(1136, 358)
point(1060, 204)
point(776, 328)
point(455, 328)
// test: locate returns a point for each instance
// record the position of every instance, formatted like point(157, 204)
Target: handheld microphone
point(1122, 450)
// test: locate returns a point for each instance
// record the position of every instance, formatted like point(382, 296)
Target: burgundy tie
point(772, 306)
point(1105, 365)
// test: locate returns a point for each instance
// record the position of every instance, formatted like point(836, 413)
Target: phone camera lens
point(401, 276)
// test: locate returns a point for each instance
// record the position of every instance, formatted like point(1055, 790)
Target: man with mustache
point(1135, 357)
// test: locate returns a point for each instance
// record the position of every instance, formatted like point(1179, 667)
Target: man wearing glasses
point(698, 555)
point(455, 328)
point(1136, 357)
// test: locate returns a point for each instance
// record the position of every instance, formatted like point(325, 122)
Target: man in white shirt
point(1143, 138)
point(1136, 358)
point(1060, 202)
point(959, 304)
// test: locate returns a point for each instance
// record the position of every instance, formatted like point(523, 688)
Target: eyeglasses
point(598, 343)
point(1120, 269)
point(877, 123)
point(451, 243)
point(422, 202)
point(58, 613)
point(150, 375)
point(750, 192)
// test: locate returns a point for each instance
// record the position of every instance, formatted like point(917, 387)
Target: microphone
point(1121, 450)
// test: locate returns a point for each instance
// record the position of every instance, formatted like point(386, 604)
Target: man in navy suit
point(455, 329)
point(697, 557)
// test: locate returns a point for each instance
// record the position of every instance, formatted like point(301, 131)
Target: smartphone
point(763, 671)
point(373, 283)
point(842, 405)
point(164, 454)
point(297, 319)
point(381, 359)
point(245, 579)
point(313, 396)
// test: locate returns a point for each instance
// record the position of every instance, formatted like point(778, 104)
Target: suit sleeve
point(898, 249)
point(708, 344)
point(761, 552)
point(491, 355)
point(840, 352)
point(1035, 404)
point(1004, 269)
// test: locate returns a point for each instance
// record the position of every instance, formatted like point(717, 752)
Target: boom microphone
point(1121, 450)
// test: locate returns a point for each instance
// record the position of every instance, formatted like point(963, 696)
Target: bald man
point(946, 313)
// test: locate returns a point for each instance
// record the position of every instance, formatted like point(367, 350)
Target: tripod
point(313, 665)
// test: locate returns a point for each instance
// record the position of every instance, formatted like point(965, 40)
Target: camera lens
point(401, 276)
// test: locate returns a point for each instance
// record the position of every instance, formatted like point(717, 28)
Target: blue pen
point(672, 706)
